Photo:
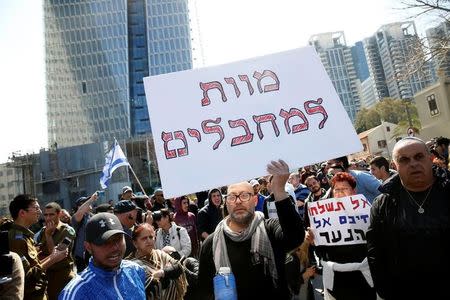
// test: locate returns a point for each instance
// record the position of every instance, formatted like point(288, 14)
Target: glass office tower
point(337, 59)
point(97, 53)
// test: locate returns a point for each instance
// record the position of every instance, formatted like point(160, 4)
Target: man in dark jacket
point(408, 247)
point(210, 215)
point(253, 247)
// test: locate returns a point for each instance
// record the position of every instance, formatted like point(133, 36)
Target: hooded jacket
point(188, 221)
point(209, 216)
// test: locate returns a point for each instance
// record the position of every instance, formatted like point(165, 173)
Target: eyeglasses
point(244, 196)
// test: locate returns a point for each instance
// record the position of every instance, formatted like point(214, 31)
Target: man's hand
point(49, 228)
point(59, 255)
point(280, 171)
point(93, 198)
point(158, 274)
point(300, 203)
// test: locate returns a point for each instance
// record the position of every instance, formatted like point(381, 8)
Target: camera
point(6, 260)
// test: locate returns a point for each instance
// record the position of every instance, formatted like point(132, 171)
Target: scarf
point(153, 262)
point(329, 267)
point(261, 249)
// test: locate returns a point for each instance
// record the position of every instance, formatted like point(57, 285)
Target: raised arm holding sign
point(245, 112)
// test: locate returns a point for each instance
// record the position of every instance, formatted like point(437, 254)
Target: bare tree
point(431, 50)
point(427, 7)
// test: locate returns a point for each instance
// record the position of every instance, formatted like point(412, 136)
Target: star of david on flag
point(114, 159)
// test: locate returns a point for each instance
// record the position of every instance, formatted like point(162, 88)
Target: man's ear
point(22, 212)
point(88, 247)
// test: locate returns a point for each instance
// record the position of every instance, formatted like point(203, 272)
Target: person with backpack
point(170, 234)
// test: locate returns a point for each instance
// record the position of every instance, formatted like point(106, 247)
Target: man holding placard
point(253, 247)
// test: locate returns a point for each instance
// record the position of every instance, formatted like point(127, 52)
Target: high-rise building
point(97, 53)
point(376, 70)
point(368, 98)
point(395, 61)
point(11, 184)
point(337, 59)
point(360, 62)
point(159, 42)
point(438, 40)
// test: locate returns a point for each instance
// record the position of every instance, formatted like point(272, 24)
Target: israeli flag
point(113, 160)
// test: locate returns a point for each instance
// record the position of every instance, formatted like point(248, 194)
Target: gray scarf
point(261, 249)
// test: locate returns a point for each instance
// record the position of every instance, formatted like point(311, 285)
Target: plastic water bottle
point(225, 285)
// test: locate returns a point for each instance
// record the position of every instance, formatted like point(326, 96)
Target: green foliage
point(388, 110)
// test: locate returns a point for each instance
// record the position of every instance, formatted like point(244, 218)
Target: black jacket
point(285, 234)
point(208, 217)
point(408, 252)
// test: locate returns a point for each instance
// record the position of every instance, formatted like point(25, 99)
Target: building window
point(382, 144)
point(83, 86)
point(432, 105)
point(388, 129)
point(365, 147)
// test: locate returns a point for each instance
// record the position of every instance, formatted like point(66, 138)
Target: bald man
point(255, 248)
point(409, 234)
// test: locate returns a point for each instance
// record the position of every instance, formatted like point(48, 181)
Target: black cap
point(101, 227)
point(105, 207)
point(81, 200)
point(124, 206)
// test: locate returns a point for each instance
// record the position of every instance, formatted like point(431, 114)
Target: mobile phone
point(64, 244)
point(100, 193)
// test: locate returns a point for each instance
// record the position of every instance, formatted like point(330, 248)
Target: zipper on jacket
point(117, 288)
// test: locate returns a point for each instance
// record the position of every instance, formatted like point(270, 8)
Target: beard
point(241, 217)
point(315, 189)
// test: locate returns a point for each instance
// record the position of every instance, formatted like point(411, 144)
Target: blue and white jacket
point(94, 283)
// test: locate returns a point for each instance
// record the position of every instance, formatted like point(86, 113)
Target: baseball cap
point(81, 200)
point(124, 206)
point(101, 227)
point(126, 189)
point(105, 207)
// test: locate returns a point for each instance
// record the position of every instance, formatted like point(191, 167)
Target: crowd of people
point(150, 247)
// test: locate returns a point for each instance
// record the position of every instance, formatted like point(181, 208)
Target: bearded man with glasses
point(253, 247)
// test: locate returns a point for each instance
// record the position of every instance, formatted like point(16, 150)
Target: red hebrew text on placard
point(293, 112)
point(269, 87)
point(242, 139)
point(214, 129)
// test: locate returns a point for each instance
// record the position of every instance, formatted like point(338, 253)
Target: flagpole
point(140, 185)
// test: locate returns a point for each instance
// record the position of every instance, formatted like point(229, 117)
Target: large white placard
point(339, 221)
point(220, 125)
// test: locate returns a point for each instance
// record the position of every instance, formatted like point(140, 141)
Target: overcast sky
point(229, 31)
